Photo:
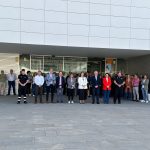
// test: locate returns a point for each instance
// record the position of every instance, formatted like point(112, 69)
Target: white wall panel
point(78, 30)
point(99, 31)
point(58, 5)
point(139, 44)
point(36, 4)
point(32, 38)
point(120, 11)
point(10, 12)
point(141, 3)
point(78, 7)
point(119, 43)
point(52, 16)
point(140, 12)
point(30, 14)
point(140, 33)
point(56, 39)
point(99, 42)
point(100, 9)
point(120, 21)
point(13, 3)
point(9, 37)
point(101, 1)
point(78, 18)
point(100, 20)
point(121, 2)
point(9, 24)
point(56, 28)
point(32, 26)
point(120, 32)
point(140, 23)
point(80, 41)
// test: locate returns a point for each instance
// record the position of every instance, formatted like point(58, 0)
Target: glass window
point(53, 62)
point(25, 62)
point(74, 64)
point(37, 63)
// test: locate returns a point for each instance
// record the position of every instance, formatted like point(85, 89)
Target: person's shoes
point(18, 102)
point(72, 102)
point(142, 101)
point(57, 101)
point(146, 102)
point(61, 101)
point(25, 102)
point(68, 102)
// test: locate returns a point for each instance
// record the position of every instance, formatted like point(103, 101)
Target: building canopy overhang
point(70, 51)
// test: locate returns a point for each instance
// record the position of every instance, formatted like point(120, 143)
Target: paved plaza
point(73, 126)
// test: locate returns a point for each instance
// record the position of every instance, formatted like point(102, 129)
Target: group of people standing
point(83, 85)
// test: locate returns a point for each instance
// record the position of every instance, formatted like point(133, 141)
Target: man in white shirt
point(11, 77)
point(39, 81)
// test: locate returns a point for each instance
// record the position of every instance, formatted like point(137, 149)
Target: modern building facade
point(75, 35)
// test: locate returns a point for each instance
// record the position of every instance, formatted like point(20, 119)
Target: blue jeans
point(145, 94)
point(106, 94)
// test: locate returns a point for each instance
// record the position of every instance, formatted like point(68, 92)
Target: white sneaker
point(146, 102)
point(68, 102)
point(72, 102)
point(142, 101)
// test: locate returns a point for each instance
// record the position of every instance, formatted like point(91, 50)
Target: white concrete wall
point(121, 24)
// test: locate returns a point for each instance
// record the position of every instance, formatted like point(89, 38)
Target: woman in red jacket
point(106, 88)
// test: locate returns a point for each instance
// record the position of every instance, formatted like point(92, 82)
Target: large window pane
point(37, 63)
point(73, 64)
point(53, 62)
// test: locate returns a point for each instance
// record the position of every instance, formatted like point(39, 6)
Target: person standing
point(71, 83)
point(106, 88)
point(145, 83)
point(119, 83)
point(22, 80)
point(2, 83)
point(135, 85)
point(39, 81)
point(82, 86)
point(60, 84)
point(128, 87)
point(50, 85)
point(96, 84)
point(11, 77)
point(30, 79)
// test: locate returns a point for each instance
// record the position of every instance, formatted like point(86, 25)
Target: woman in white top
point(82, 86)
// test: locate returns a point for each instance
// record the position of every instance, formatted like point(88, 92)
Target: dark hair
point(28, 72)
point(23, 70)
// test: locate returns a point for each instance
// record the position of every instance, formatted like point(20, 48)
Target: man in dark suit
point(96, 83)
point(60, 84)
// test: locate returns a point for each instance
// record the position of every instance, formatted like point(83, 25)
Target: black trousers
point(50, 89)
point(38, 91)
point(11, 84)
point(70, 93)
point(22, 92)
point(118, 95)
point(28, 88)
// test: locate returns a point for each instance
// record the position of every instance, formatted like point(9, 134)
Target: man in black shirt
point(22, 80)
point(119, 83)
